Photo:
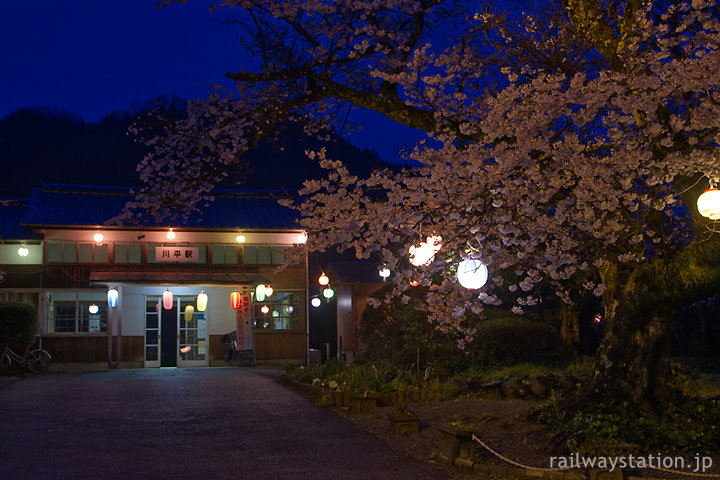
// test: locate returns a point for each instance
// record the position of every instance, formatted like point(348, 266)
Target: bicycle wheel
point(5, 363)
point(38, 361)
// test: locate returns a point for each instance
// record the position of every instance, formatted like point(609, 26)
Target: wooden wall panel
point(280, 346)
point(91, 348)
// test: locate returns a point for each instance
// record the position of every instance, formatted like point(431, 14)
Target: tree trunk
point(632, 363)
point(569, 331)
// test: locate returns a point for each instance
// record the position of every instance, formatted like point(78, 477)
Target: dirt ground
point(502, 424)
point(505, 425)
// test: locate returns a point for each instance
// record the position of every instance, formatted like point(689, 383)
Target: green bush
point(18, 325)
point(687, 428)
point(395, 335)
point(509, 339)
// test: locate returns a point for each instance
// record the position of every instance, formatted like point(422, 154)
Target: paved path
point(216, 423)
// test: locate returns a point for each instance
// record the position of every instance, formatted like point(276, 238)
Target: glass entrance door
point(175, 337)
point(192, 334)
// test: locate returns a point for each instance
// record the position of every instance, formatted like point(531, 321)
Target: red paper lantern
point(167, 299)
point(235, 300)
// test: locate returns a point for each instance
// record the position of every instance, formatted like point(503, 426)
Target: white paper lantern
point(112, 296)
point(260, 293)
point(709, 203)
point(472, 274)
point(315, 302)
point(23, 251)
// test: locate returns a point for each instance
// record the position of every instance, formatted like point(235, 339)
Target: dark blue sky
point(96, 56)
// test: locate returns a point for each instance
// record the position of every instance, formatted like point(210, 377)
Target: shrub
point(509, 339)
point(18, 325)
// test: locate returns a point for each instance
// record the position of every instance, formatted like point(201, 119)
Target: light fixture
point(98, 237)
point(202, 300)
point(302, 237)
point(167, 298)
point(289, 309)
point(423, 253)
point(235, 300)
point(240, 239)
point(323, 279)
point(265, 309)
point(472, 273)
point(23, 251)
point(112, 296)
point(268, 291)
point(93, 309)
point(384, 273)
point(260, 293)
point(708, 203)
point(315, 302)
point(328, 293)
point(275, 314)
point(170, 234)
point(189, 310)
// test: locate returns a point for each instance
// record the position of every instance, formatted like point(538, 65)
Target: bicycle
point(36, 360)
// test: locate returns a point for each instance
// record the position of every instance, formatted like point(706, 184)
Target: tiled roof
point(71, 205)
point(11, 210)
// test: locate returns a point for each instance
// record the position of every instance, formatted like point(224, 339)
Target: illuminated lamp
point(23, 251)
point(384, 273)
point(268, 291)
point(189, 310)
point(260, 293)
point(112, 297)
point(186, 349)
point(275, 314)
point(202, 300)
point(235, 300)
point(240, 239)
point(413, 283)
point(315, 302)
point(472, 273)
point(424, 252)
point(328, 293)
point(323, 280)
point(170, 234)
point(98, 237)
point(302, 237)
point(709, 203)
point(265, 309)
point(93, 309)
point(167, 299)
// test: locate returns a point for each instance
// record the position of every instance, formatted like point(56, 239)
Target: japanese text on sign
point(176, 254)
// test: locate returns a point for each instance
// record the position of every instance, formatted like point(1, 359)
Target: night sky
point(93, 57)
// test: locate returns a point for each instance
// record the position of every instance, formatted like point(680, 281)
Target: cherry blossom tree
point(566, 148)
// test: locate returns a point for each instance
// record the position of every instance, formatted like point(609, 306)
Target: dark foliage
point(18, 324)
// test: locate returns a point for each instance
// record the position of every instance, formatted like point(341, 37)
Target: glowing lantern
point(268, 291)
point(93, 309)
point(289, 309)
point(186, 349)
point(315, 302)
point(98, 237)
point(189, 310)
point(235, 300)
point(302, 237)
point(167, 299)
point(240, 239)
point(170, 234)
point(260, 293)
point(413, 283)
point(424, 252)
point(472, 273)
point(202, 301)
point(709, 203)
point(323, 280)
point(112, 298)
point(384, 273)
point(23, 251)
point(328, 293)
point(265, 309)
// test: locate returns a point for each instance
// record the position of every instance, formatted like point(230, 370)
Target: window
point(225, 254)
point(76, 312)
point(283, 312)
point(263, 255)
point(127, 253)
